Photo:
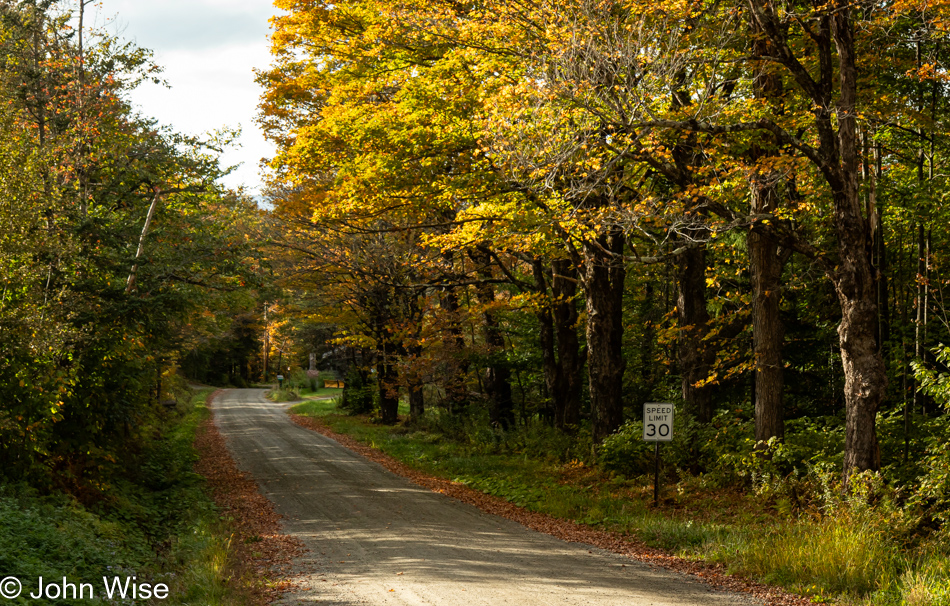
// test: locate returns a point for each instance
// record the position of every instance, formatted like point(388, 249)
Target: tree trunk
point(695, 356)
point(417, 404)
point(570, 358)
point(456, 360)
point(604, 275)
point(552, 370)
point(920, 323)
point(767, 330)
point(387, 378)
point(130, 282)
point(766, 265)
point(497, 374)
point(837, 157)
point(864, 373)
point(560, 344)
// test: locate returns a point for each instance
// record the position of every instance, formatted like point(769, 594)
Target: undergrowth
point(152, 520)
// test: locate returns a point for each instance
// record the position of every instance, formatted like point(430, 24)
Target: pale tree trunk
point(130, 283)
point(604, 275)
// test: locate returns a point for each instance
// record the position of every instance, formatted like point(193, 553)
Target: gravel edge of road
point(711, 574)
point(261, 556)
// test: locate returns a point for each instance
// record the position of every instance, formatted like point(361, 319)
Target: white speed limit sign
point(657, 422)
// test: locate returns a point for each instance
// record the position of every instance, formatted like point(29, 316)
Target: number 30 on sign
point(657, 422)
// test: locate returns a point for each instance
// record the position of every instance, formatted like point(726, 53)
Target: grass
point(292, 394)
point(154, 522)
point(199, 557)
point(321, 392)
point(852, 555)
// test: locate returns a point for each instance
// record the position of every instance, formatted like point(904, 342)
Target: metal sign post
point(657, 427)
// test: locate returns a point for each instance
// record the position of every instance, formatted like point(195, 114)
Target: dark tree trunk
point(497, 378)
point(766, 266)
point(388, 387)
point(552, 370)
point(864, 373)
point(417, 405)
point(570, 358)
point(457, 362)
point(560, 344)
point(837, 157)
point(920, 329)
point(695, 354)
point(604, 275)
point(767, 330)
point(872, 175)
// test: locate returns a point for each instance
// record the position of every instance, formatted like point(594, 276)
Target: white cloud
point(209, 49)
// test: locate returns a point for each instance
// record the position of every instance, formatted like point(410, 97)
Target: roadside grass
point(286, 394)
point(321, 392)
point(854, 555)
point(292, 394)
point(153, 521)
point(199, 560)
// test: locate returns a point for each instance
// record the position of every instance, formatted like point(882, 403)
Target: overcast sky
point(209, 49)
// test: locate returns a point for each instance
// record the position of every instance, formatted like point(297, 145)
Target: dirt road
point(375, 538)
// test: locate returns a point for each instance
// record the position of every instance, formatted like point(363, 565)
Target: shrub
point(359, 392)
point(624, 452)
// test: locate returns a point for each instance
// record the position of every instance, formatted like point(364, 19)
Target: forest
point(505, 223)
point(531, 218)
point(556, 212)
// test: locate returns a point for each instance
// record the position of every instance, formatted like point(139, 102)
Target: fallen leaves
point(261, 556)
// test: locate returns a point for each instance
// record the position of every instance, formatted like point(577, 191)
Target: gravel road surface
point(375, 538)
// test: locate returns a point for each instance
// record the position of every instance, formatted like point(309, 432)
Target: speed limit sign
point(657, 422)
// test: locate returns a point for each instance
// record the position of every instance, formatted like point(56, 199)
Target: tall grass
point(845, 555)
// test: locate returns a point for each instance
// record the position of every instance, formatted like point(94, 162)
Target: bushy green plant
point(814, 442)
point(624, 451)
point(359, 392)
point(932, 497)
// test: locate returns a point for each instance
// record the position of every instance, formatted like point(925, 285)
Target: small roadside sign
point(657, 422)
